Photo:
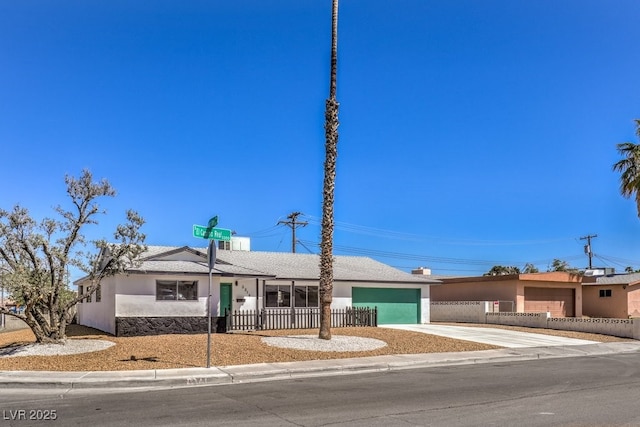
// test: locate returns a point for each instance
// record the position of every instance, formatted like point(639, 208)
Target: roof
point(616, 279)
point(553, 276)
point(277, 265)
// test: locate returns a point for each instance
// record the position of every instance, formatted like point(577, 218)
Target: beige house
point(559, 293)
point(614, 296)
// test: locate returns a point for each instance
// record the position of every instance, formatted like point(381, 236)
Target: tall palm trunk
point(331, 153)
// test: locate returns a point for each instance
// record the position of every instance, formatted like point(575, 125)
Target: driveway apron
point(499, 337)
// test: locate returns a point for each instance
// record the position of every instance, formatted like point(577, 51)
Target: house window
point(605, 293)
point(176, 290)
point(277, 295)
point(306, 296)
point(224, 245)
point(80, 290)
point(98, 294)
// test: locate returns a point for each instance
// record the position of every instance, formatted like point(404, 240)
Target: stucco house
point(559, 293)
point(614, 296)
point(168, 292)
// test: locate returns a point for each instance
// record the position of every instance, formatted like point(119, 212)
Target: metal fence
point(298, 318)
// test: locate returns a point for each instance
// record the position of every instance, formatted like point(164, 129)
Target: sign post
point(213, 234)
point(211, 256)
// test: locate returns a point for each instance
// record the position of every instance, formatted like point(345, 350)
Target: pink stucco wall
point(633, 301)
point(614, 306)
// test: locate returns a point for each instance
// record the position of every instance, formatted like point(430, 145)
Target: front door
point(225, 298)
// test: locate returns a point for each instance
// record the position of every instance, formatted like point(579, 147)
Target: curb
point(197, 377)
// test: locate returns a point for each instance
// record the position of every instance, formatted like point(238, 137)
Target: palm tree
point(629, 168)
point(331, 153)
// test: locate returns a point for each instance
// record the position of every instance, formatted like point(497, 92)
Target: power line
point(398, 235)
point(433, 259)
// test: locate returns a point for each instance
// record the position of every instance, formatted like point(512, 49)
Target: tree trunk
point(331, 154)
point(45, 332)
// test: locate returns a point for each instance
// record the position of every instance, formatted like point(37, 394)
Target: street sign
point(204, 232)
point(213, 222)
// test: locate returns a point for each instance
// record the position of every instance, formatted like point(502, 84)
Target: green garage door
point(400, 306)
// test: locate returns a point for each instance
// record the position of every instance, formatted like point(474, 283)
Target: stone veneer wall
point(136, 326)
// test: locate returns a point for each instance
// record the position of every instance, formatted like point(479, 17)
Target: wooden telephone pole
point(587, 247)
point(293, 223)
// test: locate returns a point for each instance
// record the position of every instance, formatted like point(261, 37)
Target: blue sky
point(472, 133)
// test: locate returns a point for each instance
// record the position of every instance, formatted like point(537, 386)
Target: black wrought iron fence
point(298, 318)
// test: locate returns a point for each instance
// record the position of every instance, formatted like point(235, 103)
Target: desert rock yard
point(189, 351)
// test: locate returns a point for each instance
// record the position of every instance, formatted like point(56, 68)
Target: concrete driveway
point(500, 337)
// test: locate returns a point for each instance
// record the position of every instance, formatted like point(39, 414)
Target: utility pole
point(587, 247)
point(293, 223)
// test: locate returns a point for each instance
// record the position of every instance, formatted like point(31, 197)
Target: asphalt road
point(585, 391)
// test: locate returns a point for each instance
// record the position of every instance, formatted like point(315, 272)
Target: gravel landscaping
point(188, 351)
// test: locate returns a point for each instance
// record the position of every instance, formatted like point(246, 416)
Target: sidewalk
point(190, 377)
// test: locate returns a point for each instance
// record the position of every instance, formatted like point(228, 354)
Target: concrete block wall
point(529, 320)
point(616, 327)
point(10, 323)
point(459, 311)
point(479, 312)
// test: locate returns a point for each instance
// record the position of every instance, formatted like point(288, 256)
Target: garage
point(558, 301)
point(395, 306)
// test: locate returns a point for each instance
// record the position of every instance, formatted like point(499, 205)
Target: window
point(306, 296)
point(80, 290)
point(605, 293)
point(98, 294)
point(277, 295)
point(225, 245)
point(176, 290)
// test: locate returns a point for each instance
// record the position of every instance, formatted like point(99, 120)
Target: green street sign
point(213, 222)
point(211, 233)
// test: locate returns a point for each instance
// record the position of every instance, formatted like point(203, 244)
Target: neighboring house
point(559, 293)
point(168, 291)
point(614, 296)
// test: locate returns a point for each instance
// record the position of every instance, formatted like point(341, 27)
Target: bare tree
point(331, 154)
point(35, 257)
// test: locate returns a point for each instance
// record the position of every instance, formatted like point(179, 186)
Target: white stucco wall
point(136, 297)
point(244, 294)
point(100, 315)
